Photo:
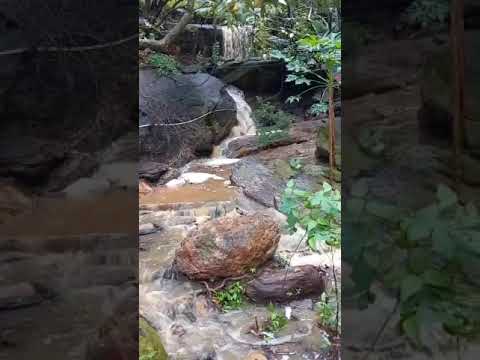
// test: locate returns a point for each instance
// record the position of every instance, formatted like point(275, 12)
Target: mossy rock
point(283, 169)
point(151, 347)
point(322, 144)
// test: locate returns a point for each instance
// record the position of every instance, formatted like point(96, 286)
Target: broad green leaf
point(360, 188)
point(355, 206)
point(446, 196)
point(410, 286)
point(442, 242)
point(411, 329)
point(436, 278)
point(419, 230)
point(383, 211)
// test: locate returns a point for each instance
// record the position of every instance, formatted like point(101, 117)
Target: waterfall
point(236, 42)
point(245, 124)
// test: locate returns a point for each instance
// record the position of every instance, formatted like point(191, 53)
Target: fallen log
point(282, 285)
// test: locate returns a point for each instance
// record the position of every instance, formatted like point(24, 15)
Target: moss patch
point(151, 347)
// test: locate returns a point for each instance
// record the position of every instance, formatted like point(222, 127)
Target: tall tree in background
point(458, 73)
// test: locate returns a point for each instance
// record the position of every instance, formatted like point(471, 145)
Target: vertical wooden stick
point(331, 122)
point(458, 80)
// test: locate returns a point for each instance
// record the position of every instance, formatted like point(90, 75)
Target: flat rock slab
point(258, 182)
point(18, 295)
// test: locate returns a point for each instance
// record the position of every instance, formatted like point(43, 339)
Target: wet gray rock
point(253, 75)
point(152, 171)
point(149, 228)
point(177, 99)
point(18, 295)
point(258, 182)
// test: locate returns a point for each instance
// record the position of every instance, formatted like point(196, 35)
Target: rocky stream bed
point(225, 206)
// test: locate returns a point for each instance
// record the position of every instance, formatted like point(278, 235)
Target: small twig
point(291, 257)
point(222, 284)
point(336, 293)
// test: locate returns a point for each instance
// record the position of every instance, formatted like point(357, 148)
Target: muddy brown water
point(210, 191)
point(108, 213)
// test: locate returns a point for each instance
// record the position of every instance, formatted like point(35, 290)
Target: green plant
point(232, 298)
point(296, 164)
point(268, 115)
point(150, 345)
point(273, 124)
point(164, 64)
point(276, 320)
point(318, 213)
point(327, 312)
point(425, 262)
point(216, 58)
point(269, 136)
point(261, 41)
point(426, 13)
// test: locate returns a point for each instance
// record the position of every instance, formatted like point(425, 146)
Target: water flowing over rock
point(245, 123)
point(235, 42)
point(228, 247)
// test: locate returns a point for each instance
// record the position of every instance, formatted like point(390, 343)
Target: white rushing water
point(245, 123)
point(236, 42)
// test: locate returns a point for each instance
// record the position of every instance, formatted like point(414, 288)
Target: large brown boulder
point(227, 247)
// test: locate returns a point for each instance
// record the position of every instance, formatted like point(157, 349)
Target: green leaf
point(443, 242)
point(360, 188)
point(383, 211)
point(411, 329)
point(436, 278)
point(410, 286)
point(419, 230)
point(355, 206)
point(446, 196)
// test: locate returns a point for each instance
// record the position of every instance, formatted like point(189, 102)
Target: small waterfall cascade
point(237, 42)
point(245, 123)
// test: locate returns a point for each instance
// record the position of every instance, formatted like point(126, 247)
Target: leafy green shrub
point(296, 164)
point(327, 311)
point(273, 124)
point(232, 298)
point(269, 136)
point(318, 213)
point(216, 58)
point(426, 13)
point(276, 320)
point(426, 260)
point(164, 64)
point(268, 115)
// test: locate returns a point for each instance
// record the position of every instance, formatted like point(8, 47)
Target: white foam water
point(245, 123)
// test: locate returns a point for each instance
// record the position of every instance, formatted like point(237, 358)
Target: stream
point(189, 324)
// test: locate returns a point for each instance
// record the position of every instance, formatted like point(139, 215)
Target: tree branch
point(172, 35)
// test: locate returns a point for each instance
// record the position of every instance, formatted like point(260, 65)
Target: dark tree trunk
point(458, 73)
